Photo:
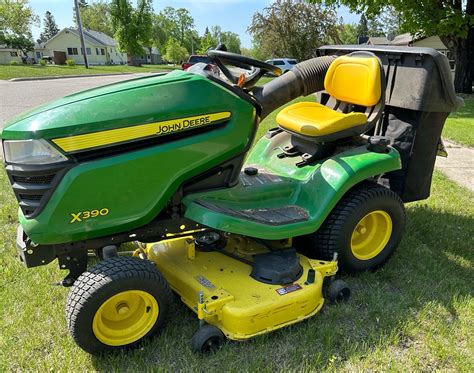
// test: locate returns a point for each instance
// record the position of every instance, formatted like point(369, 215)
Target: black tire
point(334, 235)
point(207, 339)
point(100, 283)
point(338, 291)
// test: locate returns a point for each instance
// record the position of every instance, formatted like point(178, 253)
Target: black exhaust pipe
point(303, 79)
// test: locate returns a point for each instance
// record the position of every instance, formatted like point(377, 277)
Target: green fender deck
point(284, 200)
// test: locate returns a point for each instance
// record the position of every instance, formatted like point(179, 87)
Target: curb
point(63, 77)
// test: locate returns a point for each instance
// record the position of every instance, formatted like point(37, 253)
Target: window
point(88, 50)
point(102, 51)
point(292, 62)
point(278, 63)
point(14, 54)
point(72, 51)
point(38, 55)
point(97, 51)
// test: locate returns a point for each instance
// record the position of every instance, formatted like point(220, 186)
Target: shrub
point(13, 62)
point(70, 62)
point(42, 62)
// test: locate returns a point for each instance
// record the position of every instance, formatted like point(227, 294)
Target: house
point(38, 52)
point(408, 39)
point(152, 56)
point(434, 42)
point(378, 40)
point(101, 49)
point(402, 40)
point(8, 54)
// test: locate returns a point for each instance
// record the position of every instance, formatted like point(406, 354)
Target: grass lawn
point(460, 125)
point(23, 71)
point(417, 313)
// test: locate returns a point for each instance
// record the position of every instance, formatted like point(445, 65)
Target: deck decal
point(288, 289)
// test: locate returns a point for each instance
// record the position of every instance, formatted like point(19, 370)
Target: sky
point(231, 15)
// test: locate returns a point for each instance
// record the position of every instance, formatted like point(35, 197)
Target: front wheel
point(117, 304)
point(364, 228)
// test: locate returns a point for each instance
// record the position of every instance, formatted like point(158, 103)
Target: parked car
point(196, 58)
point(284, 64)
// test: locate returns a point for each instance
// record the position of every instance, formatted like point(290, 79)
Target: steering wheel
point(257, 68)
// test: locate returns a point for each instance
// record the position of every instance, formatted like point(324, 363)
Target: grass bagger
point(249, 236)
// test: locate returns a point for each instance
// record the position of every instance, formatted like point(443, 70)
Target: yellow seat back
point(355, 80)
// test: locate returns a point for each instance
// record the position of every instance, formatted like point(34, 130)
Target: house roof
point(101, 37)
point(90, 36)
point(4, 48)
point(403, 39)
point(382, 40)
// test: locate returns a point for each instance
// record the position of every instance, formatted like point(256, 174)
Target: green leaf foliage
point(293, 28)
point(132, 26)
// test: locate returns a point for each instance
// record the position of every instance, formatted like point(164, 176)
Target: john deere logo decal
point(119, 135)
point(183, 124)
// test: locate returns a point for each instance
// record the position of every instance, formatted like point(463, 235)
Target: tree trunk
point(132, 60)
point(463, 53)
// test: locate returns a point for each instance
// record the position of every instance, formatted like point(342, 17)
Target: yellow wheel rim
point(125, 317)
point(371, 235)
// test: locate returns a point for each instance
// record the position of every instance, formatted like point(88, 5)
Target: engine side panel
point(118, 192)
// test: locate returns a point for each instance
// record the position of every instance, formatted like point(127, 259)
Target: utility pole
point(81, 34)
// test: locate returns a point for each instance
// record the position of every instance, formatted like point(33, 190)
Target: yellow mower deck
point(220, 290)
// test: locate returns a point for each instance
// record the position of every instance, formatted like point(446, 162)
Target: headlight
point(31, 152)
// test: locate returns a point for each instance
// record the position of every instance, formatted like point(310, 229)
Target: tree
point(375, 27)
point(231, 41)
point(16, 19)
point(82, 7)
point(176, 24)
point(348, 33)
point(212, 38)
point(392, 23)
point(97, 17)
point(363, 27)
point(132, 27)
point(207, 42)
point(451, 20)
point(185, 23)
point(175, 52)
point(50, 28)
point(293, 28)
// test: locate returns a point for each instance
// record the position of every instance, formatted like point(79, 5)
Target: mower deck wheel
point(207, 339)
point(338, 291)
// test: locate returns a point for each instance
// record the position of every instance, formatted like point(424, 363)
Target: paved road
point(16, 97)
point(459, 165)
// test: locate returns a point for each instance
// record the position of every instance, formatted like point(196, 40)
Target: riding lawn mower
point(249, 233)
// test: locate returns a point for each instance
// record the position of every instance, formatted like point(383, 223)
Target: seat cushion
point(315, 120)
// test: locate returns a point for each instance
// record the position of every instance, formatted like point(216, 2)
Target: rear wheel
point(117, 304)
point(364, 228)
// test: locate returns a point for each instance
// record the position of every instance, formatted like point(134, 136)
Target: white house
point(101, 49)
point(8, 54)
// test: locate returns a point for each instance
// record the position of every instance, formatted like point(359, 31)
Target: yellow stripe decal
point(110, 137)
